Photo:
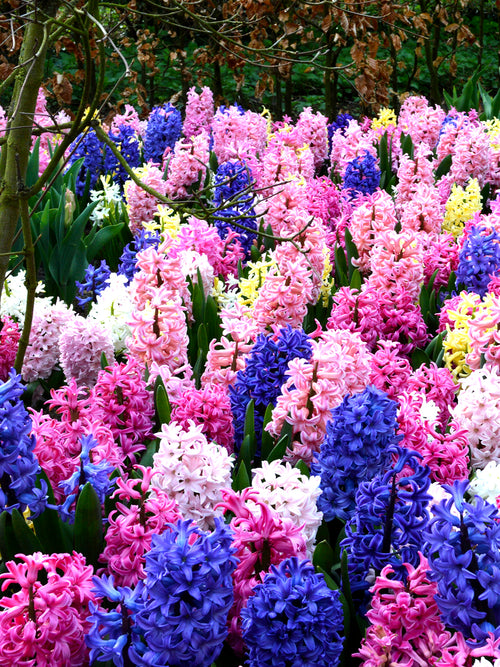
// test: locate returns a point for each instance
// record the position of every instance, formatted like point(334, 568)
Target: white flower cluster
point(113, 310)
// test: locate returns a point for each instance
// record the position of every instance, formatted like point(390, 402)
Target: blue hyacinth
point(186, 597)
point(128, 144)
point(94, 282)
point(144, 239)
point(293, 618)
point(462, 544)
point(163, 130)
point(88, 147)
point(264, 375)
point(19, 466)
point(479, 259)
point(389, 520)
point(355, 449)
point(362, 175)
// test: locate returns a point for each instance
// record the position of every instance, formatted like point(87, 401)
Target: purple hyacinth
point(164, 128)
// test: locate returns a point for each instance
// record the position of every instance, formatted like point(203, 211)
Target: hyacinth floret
point(95, 473)
point(163, 129)
point(355, 449)
point(264, 375)
point(389, 520)
point(362, 175)
point(479, 259)
point(462, 544)
point(186, 597)
point(127, 142)
point(19, 466)
point(111, 632)
point(88, 147)
point(94, 282)
point(293, 618)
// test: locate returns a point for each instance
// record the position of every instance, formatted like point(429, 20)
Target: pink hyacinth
point(142, 206)
point(237, 135)
point(424, 212)
point(140, 513)
point(9, 339)
point(82, 343)
point(350, 143)
point(187, 167)
point(313, 130)
point(389, 370)
point(130, 117)
point(225, 358)
point(437, 385)
point(421, 121)
point(262, 538)
point(158, 276)
point(396, 261)
point(199, 112)
point(413, 172)
point(440, 253)
point(43, 619)
point(209, 407)
point(325, 201)
point(471, 157)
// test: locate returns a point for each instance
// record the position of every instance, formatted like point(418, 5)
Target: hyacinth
point(421, 121)
point(192, 471)
point(110, 206)
point(471, 155)
point(440, 258)
point(292, 495)
point(340, 123)
point(347, 145)
point(14, 295)
point(162, 131)
point(43, 619)
point(142, 240)
point(462, 545)
point(113, 310)
point(479, 259)
point(97, 474)
point(88, 147)
point(313, 130)
point(339, 365)
point(405, 623)
point(9, 339)
point(140, 513)
point(361, 176)
point(461, 206)
point(142, 206)
point(186, 596)
point(187, 167)
point(389, 519)
point(126, 141)
point(82, 343)
point(355, 449)
point(396, 262)
point(476, 411)
point(121, 400)
point(264, 374)
point(19, 465)
point(389, 371)
point(413, 173)
point(94, 282)
point(109, 634)
point(424, 212)
point(262, 538)
point(486, 483)
point(199, 111)
point(210, 408)
point(238, 134)
point(293, 618)
point(282, 162)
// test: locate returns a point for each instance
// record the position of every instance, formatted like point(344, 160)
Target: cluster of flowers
point(318, 284)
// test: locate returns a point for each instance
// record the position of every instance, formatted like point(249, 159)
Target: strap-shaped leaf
point(88, 533)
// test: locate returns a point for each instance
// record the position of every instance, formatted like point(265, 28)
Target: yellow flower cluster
point(492, 127)
point(457, 342)
point(167, 221)
point(250, 286)
point(385, 118)
point(327, 286)
point(461, 206)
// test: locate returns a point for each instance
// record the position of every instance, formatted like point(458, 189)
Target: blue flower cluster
point(362, 176)
point(355, 449)
point(94, 282)
point(19, 466)
point(389, 520)
point(96, 473)
point(293, 618)
point(186, 597)
point(163, 130)
point(144, 239)
point(88, 147)
point(111, 633)
point(462, 544)
point(231, 193)
point(479, 259)
point(128, 144)
point(340, 123)
point(264, 375)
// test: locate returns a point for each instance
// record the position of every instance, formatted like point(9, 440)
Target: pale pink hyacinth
point(157, 276)
point(478, 411)
point(176, 381)
point(262, 538)
point(340, 365)
point(373, 215)
point(141, 206)
point(424, 212)
point(187, 167)
point(129, 117)
point(472, 156)
point(313, 130)
point(43, 621)
point(199, 112)
point(192, 471)
point(484, 338)
point(396, 262)
point(42, 353)
point(448, 133)
point(281, 162)
point(81, 346)
point(140, 513)
point(352, 142)
point(9, 339)
point(225, 358)
point(238, 135)
point(421, 121)
point(412, 172)
point(292, 495)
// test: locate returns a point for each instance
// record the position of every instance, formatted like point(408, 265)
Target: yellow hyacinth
point(385, 118)
point(461, 206)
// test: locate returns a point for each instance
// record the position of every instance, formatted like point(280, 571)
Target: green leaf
point(356, 280)
point(147, 459)
point(26, 538)
point(303, 467)
point(162, 403)
point(249, 427)
point(95, 241)
point(247, 450)
point(323, 556)
point(419, 358)
point(328, 579)
point(443, 167)
point(241, 480)
point(48, 525)
point(407, 145)
point(9, 545)
point(278, 452)
point(88, 532)
point(267, 438)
